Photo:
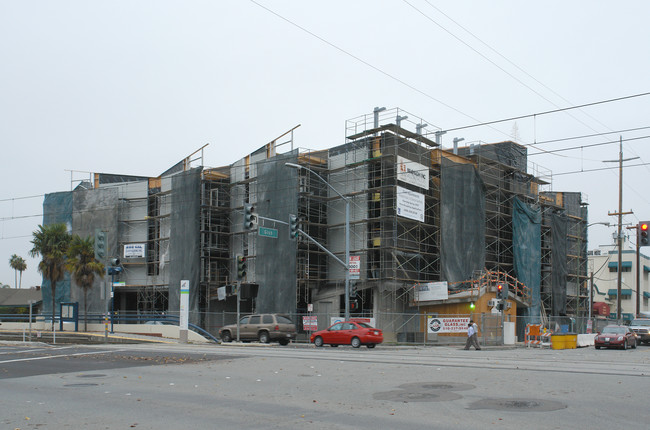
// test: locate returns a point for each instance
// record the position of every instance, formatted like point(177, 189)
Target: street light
point(347, 234)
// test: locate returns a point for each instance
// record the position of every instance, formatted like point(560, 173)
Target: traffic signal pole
point(638, 277)
point(345, 264)
point(642, 239)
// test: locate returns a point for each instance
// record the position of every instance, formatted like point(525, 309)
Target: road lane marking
point(22, 351)
point(59, 356)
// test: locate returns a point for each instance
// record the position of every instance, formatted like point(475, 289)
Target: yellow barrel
point(558, 341)
point(570, 341)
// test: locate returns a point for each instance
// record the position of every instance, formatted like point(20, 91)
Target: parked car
point(641, 326)
point(264, 328)
point(355, 333)
point(615, 336)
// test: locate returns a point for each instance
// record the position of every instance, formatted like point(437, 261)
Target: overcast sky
point(132, 87)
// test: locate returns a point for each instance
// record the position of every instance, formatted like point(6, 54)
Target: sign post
point(310, 322)
point(184, 311)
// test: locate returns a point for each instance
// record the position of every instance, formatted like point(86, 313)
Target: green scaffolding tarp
point(57, 208)
point(527, 250)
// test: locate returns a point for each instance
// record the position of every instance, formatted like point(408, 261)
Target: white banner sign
point(447, 325)
point(185, 304)
point(134, 250)
point(431, 291)
point(410, 204)
point(412, 173)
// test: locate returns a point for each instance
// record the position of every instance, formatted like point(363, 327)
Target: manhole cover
point(437, 386)
point(416, 396)
point(92, 375)
point(80, 385)
point(523, 405)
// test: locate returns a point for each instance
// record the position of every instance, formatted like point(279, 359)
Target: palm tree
point(51, 243)
point(19, 265)
point(83, 267)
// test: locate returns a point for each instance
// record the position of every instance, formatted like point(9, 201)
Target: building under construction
point(416, 214)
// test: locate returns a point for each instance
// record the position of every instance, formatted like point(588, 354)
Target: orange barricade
point(536, 337)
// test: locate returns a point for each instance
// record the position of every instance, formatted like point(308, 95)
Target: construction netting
point(57, 208)
point(185, 239)
point(275, 200)
point(462, 221)
point(527, 252)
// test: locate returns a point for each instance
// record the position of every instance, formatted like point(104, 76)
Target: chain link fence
point(398, 328)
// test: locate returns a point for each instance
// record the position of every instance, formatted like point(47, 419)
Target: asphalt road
point(261, 387)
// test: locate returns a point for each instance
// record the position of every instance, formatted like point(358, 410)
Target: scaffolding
point(395, 250)
point(502, 168)
point(215, 229)
point(143, 218)
point(392, 161)
point(311, 269)
point(574, 299)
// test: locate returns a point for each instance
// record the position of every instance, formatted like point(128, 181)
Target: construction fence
point(428, 329)
point(398, 328)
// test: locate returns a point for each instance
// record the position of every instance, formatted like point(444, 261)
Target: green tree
point(19, 265)
point(83, 267)
point(51, 242)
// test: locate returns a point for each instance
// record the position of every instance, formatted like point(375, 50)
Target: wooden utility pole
point(619, 238)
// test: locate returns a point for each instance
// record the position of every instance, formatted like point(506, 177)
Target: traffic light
point(250, 217)
point(642, 228)
point(500, 292)
point(353, 289)
point(293, 227)
point(100, 244)
point(241, 266)
point(114, 267)
point(354, 305)
point(472, 305)
point(500, 306)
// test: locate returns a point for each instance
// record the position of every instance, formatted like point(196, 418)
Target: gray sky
point(132, 87)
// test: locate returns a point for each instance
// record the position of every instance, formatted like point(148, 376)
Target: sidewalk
point(66, 337)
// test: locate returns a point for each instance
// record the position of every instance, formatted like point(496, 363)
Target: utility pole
point(619, 238)
point(638, 277)
point(591, 293)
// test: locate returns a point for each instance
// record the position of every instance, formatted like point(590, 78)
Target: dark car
point(615, 336)
point(264, 328)
point(355, 333)
point(641, 326)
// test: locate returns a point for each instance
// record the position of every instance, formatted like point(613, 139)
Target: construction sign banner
point(447, 325)
point(310, 323)
point(431, 291)
point(412, 173)
point(410, 204)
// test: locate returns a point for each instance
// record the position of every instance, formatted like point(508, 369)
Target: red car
point(353, 333)
point(618, 336)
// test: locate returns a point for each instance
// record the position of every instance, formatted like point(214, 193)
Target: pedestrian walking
point(470, 333)
point(475, 335)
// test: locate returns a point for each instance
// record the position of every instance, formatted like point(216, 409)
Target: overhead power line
point(549, 112)
point(516, 66)
point(611, 142)
point(598, 170)
point(338, 48)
